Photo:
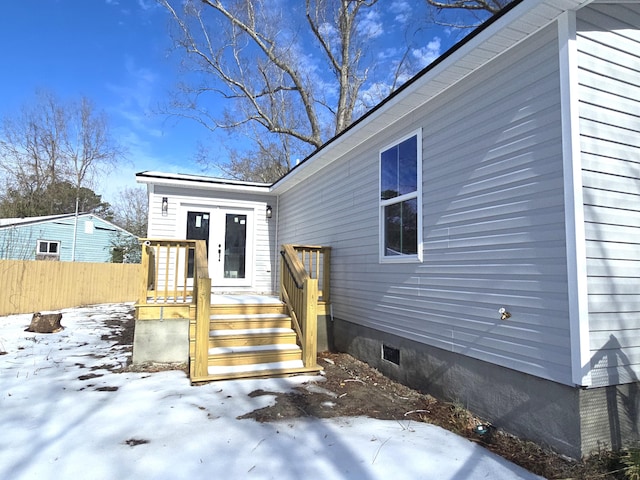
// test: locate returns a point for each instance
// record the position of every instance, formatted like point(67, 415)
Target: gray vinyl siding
point(493, 224)
point(609, 75)
point(264, 230)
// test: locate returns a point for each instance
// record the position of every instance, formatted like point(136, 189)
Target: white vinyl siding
point(609, 60)
point(179, 199)
point(493, 221)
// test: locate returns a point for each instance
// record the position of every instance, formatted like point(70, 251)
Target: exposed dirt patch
point(89, 376)
point(134, 442)
point(353, 388)
point(121, 330)
point(107, 389)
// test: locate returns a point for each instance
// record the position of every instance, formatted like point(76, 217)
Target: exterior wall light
point(165, 206)
point(503, 313)
point(269, 211)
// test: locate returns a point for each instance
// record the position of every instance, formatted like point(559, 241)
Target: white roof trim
point(203, 182)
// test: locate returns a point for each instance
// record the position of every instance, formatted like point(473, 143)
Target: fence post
point(203, 308)
point(310, 321)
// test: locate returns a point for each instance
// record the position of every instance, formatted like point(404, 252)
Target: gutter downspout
point(276, 250)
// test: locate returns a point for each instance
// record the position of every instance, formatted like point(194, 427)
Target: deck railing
point(167, 264)
point(177, 272)
point(303, 269)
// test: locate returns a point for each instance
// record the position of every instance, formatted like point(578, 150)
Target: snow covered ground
point(67, 413)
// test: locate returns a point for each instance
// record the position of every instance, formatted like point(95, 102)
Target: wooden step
point(247, 309)
point(251, 340)
point(280, 369)
point(249, 321)
point(249, 337)
point(254, 355)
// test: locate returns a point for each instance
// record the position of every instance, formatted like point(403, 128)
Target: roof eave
point(205, 183)
point(489, 41)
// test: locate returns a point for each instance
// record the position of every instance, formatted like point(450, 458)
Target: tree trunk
point(49, 323)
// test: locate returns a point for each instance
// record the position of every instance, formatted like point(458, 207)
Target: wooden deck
point(238, 336)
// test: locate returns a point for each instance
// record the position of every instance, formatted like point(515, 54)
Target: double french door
point(228, 234)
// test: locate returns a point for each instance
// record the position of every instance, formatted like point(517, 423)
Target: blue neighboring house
point(52, 238)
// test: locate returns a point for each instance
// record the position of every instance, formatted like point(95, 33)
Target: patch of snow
point(68, 411)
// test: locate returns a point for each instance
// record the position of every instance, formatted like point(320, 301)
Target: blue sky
point(118, 53)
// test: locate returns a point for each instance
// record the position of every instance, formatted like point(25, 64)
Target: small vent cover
point(391, 354)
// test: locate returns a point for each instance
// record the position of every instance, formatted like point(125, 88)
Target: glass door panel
point(197, 229)
point(235, 246)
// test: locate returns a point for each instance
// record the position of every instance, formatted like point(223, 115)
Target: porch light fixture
point(269, 211)
point(165, 206)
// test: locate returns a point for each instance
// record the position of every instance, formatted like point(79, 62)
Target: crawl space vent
point(391, 354)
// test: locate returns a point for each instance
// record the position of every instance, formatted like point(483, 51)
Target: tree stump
point(49, 323)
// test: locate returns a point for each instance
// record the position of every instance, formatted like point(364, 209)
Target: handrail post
point(202, 327)
point(144, 287)
point(309, 322)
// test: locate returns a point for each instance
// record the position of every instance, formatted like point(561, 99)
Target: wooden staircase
point(250, 340)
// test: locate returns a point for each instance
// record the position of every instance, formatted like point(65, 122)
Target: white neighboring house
point(484, 222)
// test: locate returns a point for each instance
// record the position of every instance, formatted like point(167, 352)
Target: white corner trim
point(573, 198)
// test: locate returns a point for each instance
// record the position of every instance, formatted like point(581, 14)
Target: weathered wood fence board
point(28, 286)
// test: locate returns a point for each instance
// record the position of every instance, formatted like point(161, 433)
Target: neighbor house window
point(47, 250)
point(400, 200)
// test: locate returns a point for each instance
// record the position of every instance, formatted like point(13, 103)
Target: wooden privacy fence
point(30, 286)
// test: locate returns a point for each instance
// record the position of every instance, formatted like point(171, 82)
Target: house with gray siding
point(64, 238)
point(484, 222)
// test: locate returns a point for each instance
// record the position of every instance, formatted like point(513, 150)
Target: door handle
point(219, 252)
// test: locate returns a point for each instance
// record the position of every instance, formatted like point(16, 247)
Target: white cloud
point(135, 98)
point(427, 54)
point(370, 25)
point(402, 10)
point(328, 30)
point(146, 4)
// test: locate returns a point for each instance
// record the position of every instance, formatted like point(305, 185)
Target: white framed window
point(401, 200)
point(47, 250)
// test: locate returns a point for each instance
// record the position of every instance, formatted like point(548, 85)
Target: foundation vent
point(391, 354)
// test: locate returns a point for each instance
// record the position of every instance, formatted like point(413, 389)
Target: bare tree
point(491, 6)
point(293, 78)
point(50, 145)
point(31, 156)
point(251, 53)
point(475, 12)
point(130, 210)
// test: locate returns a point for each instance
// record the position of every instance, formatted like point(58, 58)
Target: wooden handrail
point(299, 277)
point(294, 265)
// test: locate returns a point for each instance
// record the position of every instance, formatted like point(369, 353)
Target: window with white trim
point(47, 250)
point(400, 200)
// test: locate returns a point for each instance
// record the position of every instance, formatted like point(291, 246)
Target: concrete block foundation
point(571, 420)
point(161, 341)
